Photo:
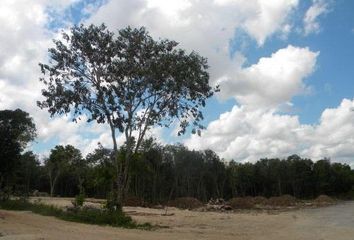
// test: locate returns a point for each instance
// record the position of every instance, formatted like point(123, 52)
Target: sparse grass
point(82, 215)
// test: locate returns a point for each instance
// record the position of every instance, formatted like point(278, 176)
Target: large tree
point(129, 81)
point(16, 130)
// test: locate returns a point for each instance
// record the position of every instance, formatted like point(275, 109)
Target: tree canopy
point(61, 159)
point(16, 130)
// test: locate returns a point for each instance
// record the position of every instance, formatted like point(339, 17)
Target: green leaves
point(129, 80)
point(16, 130)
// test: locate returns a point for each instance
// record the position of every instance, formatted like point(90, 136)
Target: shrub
point(79, 200)
point(185, 203)
point(110, 204)
point(84, 215)
point(100, 217)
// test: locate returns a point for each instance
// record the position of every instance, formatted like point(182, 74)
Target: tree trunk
point(279, 187)
point(52, 183)
point(80, 185)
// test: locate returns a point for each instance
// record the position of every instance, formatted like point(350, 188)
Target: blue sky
point(285, 70)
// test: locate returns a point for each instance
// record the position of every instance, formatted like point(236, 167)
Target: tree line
point(161, 173)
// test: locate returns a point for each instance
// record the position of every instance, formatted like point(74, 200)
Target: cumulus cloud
point(204, 26)
point(273, 80)
point(311, 24)
point(208, 26)
point(272, 17)
point(245, 135)
point(251, 130)
point(24, 40)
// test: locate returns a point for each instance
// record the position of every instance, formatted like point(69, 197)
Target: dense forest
point(161, 173)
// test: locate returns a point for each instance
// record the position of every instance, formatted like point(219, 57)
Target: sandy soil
point(334, 222)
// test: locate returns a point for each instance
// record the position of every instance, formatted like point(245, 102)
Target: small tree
point(129, 81)
point(27, 172)
point(59, 161)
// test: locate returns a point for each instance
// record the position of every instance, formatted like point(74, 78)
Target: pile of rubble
point(217, 204)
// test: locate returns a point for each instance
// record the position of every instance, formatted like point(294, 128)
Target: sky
point(284, 67)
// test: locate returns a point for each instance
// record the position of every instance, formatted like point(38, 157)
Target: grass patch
point(84, 215)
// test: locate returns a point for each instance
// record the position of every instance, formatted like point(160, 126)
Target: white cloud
point(318, 8)
point(334, 135)
point(248, 135)
point(204, 26)
point(247, 132)
point(24, 40)
point(271, 17)
point(272, 81)
point(208, 26)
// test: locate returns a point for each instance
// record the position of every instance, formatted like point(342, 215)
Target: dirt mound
point(260, 200)
point(185, 203)
point(324, 200)
point(133, 202)
point(241, 202)
point(218, 205)
point(282, 201)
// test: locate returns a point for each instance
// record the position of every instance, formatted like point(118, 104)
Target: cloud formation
point(252, 129)
point(205, 26)
point(311, 23)
point(245, 135)
point(273, 81)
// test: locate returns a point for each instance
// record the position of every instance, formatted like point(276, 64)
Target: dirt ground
point(334, 222)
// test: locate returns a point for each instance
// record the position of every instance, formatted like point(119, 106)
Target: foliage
point(27, 173)
point(129, 81)
point(160, 174)
point(79, 200)
point(61, 160)
point(16, 130)
point(84, 215)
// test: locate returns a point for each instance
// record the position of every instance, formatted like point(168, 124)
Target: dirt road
point(334, 222)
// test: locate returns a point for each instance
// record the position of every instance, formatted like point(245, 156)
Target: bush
point(110, 204)
point(282, 201)
point(5, 193)
point(241, 203)
point(100, 217)
point(83, 215)
point(185, 203)
point(79, 200)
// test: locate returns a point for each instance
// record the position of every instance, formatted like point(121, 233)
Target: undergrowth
point(82, 215)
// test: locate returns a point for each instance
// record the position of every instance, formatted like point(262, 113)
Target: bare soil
point(333, 222)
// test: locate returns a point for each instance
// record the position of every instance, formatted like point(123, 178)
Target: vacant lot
point(334, 222)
